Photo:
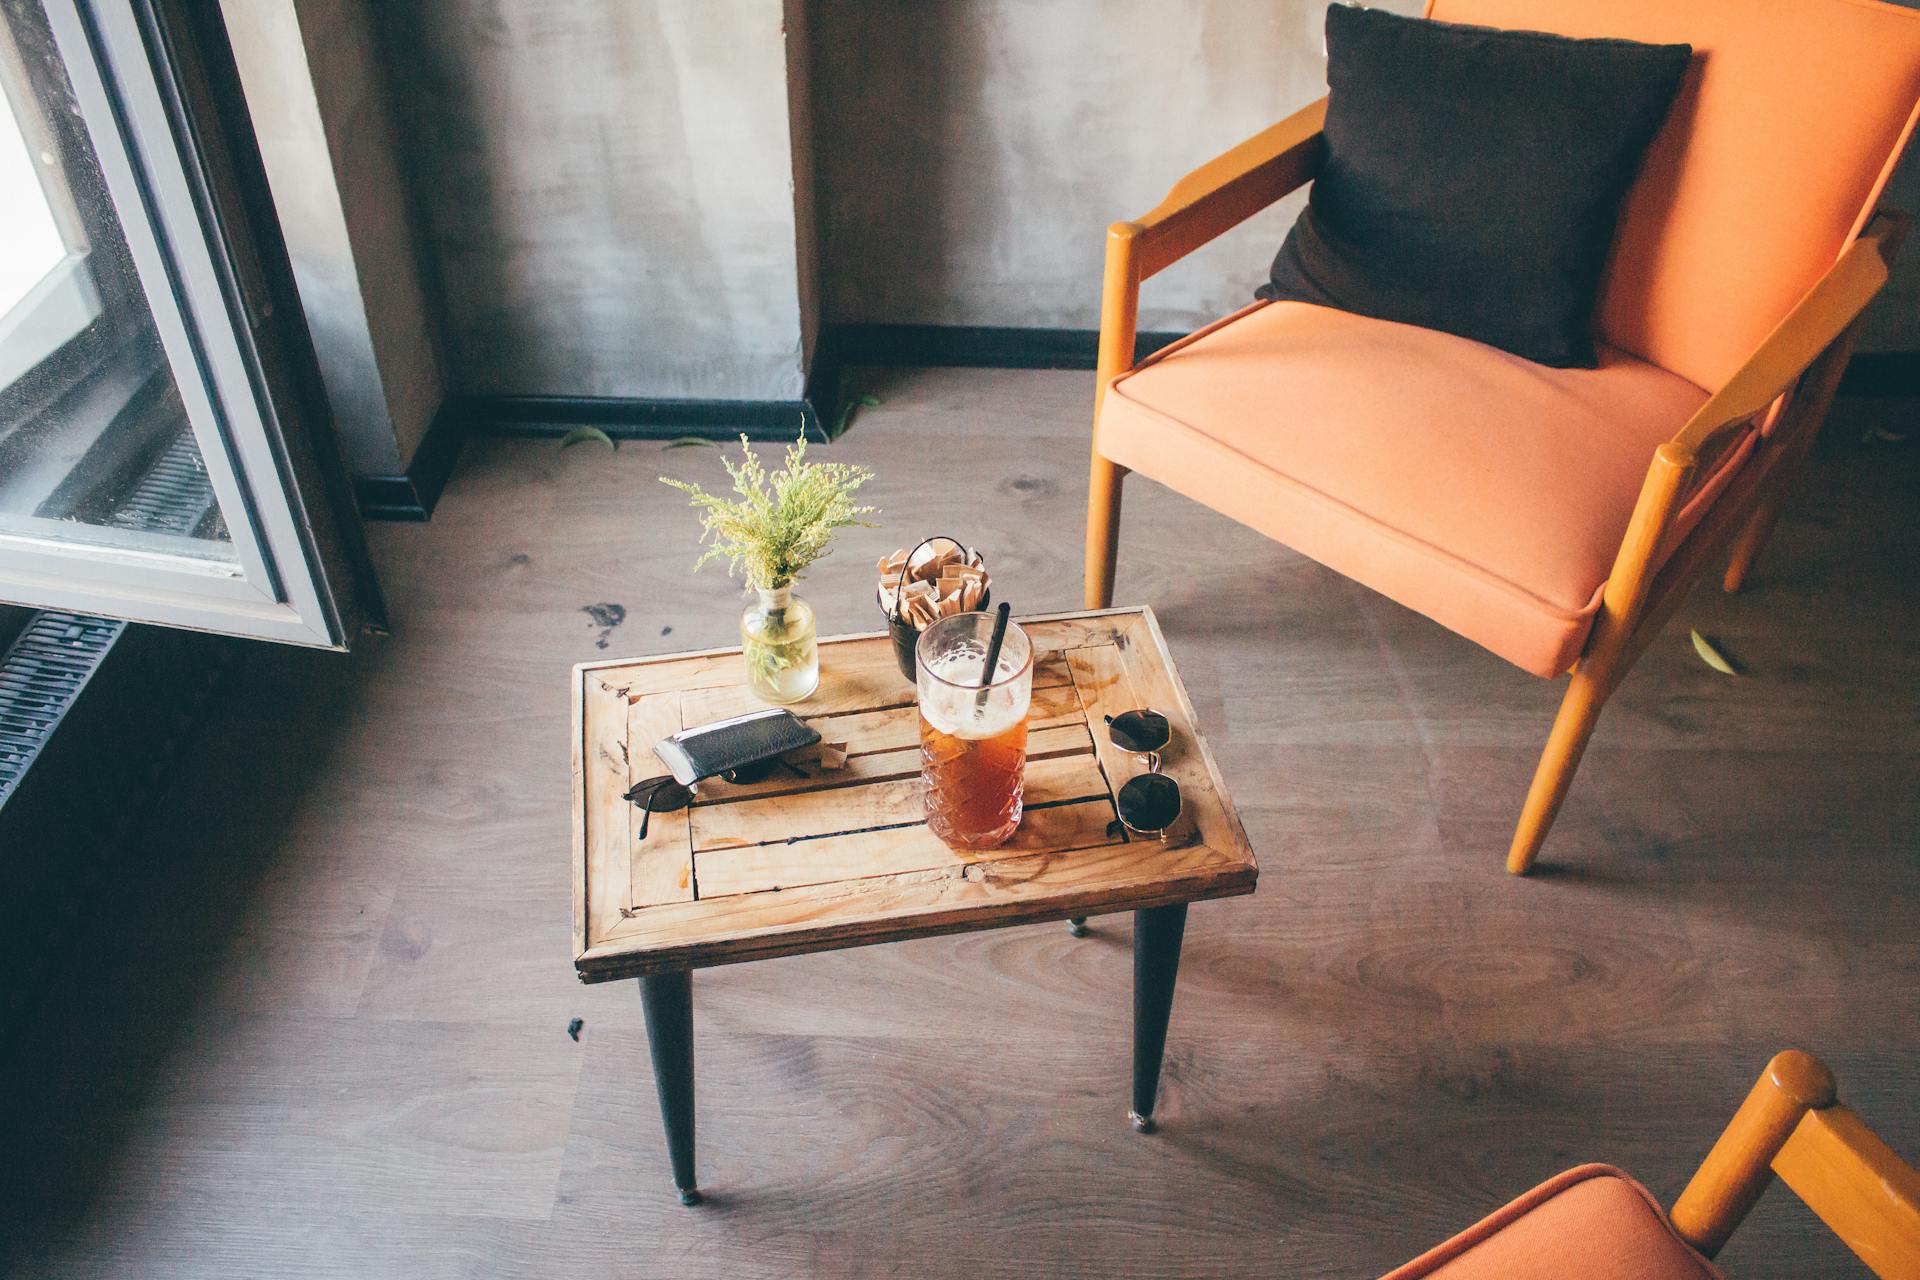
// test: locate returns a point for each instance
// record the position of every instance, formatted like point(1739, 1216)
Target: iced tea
point(973, 738)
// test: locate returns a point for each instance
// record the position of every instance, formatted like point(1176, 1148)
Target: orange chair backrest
point(1774, 156)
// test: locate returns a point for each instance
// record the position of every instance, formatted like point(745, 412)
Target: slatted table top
point(842, 858)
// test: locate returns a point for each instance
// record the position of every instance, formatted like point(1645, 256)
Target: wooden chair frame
point(1799, 364)
point(1792, 1127)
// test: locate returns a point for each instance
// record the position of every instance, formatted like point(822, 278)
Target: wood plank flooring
point(318, 1026)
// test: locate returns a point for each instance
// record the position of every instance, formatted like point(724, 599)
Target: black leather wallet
point(709, 750)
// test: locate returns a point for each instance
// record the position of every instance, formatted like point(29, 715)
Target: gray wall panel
point(609, 189)
point(318, 101)
point(973, 151)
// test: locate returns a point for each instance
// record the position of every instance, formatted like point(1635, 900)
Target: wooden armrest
point(1219, 195)
point(1228, 190)
point(1739, 1167)
point(1813, 325)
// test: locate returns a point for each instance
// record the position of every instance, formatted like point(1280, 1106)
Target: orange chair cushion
point(1487, 492)
point(1590, 1223)
point(1776, 150)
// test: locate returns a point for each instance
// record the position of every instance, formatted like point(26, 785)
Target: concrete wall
point(971, 152)
point(319, 103)
point(972, 155)
point(609, 191)
point(1894, 322)
point(800, 127)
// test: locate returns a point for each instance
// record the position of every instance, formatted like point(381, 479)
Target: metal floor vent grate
point(50, 662)
point(174, 495)
point(41, 676)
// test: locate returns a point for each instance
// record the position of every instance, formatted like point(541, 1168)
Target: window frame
point(195, 274)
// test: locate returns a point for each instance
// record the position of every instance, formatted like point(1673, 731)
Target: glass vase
point(777, 637)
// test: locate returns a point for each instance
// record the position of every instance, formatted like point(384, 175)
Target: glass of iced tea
point(973, 736)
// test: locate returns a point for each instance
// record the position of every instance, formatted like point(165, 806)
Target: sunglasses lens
point(1140, 732)
point(1149, 803)
point(754, 772)
point(660, 795)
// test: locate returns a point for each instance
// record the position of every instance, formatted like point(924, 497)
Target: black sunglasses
point(1150, 804)
point(657, 795)
point(664, 795)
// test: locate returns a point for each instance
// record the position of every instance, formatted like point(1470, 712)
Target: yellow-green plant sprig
point(781, 523)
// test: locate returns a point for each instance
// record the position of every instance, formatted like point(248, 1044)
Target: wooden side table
point(842, 858)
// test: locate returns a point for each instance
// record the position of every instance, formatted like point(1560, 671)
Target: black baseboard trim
point(412, 494)
point(973, 346)
point(952, 346)
point(1890, 374)
point(389, 498)
point(631, 418)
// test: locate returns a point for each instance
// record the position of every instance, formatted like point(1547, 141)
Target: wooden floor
point(318, 1026)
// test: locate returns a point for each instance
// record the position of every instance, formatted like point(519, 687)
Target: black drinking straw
point(993, 652)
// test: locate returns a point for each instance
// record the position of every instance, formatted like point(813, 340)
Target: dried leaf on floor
point(586, 435)
point(1712, 656)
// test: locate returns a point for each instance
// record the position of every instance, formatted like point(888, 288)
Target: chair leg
point(1103, 530)
point(1752, 540)
point(1587, 693)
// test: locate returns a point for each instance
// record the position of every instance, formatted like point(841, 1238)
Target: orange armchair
point(1554, 516)
point(1595, 1223)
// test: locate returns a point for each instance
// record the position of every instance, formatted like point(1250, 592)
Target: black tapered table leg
point(668, 1001)
point(1157, 932)
point(1077, 926)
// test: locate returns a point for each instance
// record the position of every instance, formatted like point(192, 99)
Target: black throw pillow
point(1473, 177)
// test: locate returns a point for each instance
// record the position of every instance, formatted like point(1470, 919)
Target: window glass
point(95, 444)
